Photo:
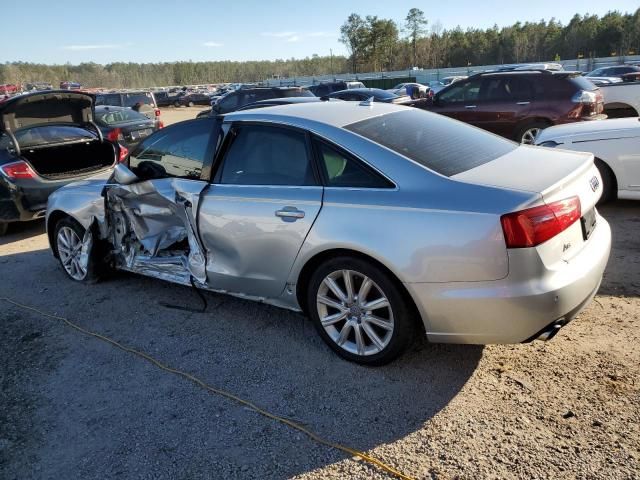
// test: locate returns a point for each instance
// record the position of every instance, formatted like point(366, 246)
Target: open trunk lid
point(46, 108)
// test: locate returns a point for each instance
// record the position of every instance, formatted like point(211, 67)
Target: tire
point(69, 231)
point(609, 183)
point(3, 228)
point(191, 104)
point(368, 337)
point(527, 134)
point(176, 104)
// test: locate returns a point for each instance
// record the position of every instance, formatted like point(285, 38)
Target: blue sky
point(151, 31)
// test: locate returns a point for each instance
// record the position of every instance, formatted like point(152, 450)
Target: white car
point(614, 143)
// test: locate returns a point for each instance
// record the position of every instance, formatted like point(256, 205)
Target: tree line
point(374, 44)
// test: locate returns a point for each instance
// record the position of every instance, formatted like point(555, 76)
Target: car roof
point(337, 114)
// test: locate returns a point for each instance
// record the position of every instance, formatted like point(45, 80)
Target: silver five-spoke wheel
point(529, 135)
point(72, 254)
point(355, 312)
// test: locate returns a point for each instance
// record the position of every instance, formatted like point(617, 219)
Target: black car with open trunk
point(47, 140)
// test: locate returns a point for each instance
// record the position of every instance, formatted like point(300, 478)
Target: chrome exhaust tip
point(551, 331)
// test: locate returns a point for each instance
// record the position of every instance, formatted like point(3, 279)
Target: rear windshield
point(46, 135)
point(143, 98)
point(297, 93)
point(382, 94)
point(115, 117)
point(583, 83)
point(439, 143)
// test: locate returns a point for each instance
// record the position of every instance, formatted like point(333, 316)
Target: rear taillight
point(115, 135)
point(17, 170)
point(157, 110)
point(588, 100)
point(533, 226)
point(123, 153)
point(160, 125)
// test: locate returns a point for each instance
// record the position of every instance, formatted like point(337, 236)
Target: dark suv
point(232, 101)
point(518, 104)
point(144, 102)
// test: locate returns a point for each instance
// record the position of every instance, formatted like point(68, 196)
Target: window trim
point(317, 140)
point(210, 151)
point(229, 137)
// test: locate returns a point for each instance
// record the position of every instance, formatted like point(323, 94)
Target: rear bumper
point(519, 307)
point(15, 207)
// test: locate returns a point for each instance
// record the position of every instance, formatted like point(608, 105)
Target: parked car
point(165, 99)
point(123, 125)
point(519, 104)
point(378, 221)
point(419, 90)
point(622, 99)
point(191, 99)
point(615, 145)
point(378, 95)
point(47, 140)
point(326, 88)
point(70, 86)
point(235, 99)
point(616, 71)
point(9, 89)
point(38, 86)
point(144, 102)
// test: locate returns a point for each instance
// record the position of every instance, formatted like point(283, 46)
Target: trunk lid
point(46, 108)
point(554, 175)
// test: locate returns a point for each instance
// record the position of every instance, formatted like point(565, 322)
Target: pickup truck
point(622, 99)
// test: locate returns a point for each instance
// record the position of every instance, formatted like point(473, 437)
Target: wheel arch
point(625, 108)
point(304, 277)
point(614, 187)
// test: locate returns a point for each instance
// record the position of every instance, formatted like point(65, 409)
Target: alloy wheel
point(529, 135)
point(73, 256)
point(355, 312)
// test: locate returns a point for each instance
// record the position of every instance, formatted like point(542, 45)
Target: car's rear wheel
point(359, 311)
point(609, 182)
point(191, 104)
point(3, 228)
point(527, 134)
point(76, 251)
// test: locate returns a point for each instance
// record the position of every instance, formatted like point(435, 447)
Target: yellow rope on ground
point(231, 396)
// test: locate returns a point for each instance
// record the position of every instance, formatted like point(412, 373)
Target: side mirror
point(123, 175)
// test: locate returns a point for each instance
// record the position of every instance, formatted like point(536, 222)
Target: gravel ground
point(171, 115)
point(72, 407)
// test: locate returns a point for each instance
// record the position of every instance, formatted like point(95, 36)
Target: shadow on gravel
point(622, 276)
point(21, 231)
point(103, 412)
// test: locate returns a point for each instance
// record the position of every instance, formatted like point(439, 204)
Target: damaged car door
point(152, 216)
point(265, 196)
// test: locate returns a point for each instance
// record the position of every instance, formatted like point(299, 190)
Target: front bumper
point(518, 307)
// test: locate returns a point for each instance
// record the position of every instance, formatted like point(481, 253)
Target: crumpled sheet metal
point(161, 213)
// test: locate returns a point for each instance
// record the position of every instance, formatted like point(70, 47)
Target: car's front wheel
point(359, 311)
point(76, 251)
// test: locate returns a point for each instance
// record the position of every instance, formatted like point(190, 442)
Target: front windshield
point(47, 135)
point(596, 73)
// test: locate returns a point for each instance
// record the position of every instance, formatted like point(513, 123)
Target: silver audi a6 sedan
point(378, 221)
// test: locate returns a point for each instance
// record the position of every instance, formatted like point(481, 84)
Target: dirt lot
point(172, 115)
point(73, 407)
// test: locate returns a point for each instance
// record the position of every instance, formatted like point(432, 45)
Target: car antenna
point(368, 102)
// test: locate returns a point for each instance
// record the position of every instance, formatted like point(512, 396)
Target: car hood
point(45, 108)
point(590, 131)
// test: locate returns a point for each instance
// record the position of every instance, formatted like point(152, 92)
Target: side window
point(264, 155)
point(176, 151)
point(468, 91)
point(342, 170)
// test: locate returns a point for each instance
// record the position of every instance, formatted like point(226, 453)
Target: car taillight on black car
point(115, 135)
point(18, 170)
point(533, 226)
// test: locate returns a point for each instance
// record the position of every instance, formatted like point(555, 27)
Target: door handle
point(470, 106)
point(523, 103)
point(290, 214)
